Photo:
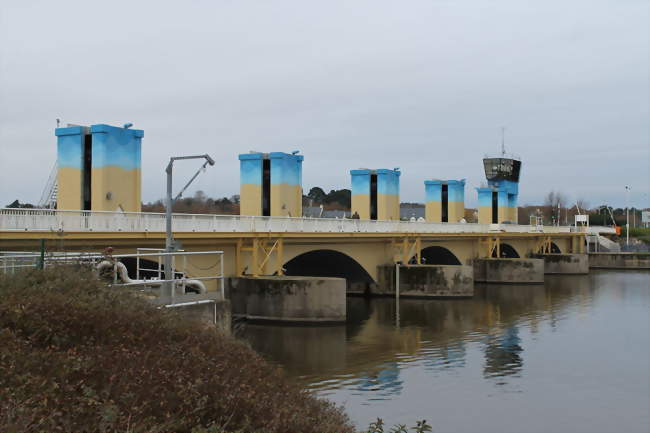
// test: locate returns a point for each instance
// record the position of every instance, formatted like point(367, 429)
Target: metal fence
point(87, 221)
point(14, 261)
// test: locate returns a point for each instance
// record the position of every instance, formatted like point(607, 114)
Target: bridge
point(310, 262)
point(259, 246)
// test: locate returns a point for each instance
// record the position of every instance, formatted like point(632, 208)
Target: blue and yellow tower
point(497, 203)
point(375, 194)
point(445, 200)
point(271, 184)
point(99, 168)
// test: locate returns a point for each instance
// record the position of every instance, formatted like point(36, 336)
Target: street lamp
point(627, 215)
point(169, 242)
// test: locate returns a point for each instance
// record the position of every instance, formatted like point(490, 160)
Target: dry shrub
point(76, 356)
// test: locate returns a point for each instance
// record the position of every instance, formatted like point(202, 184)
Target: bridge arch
point(507, 252)
point(437, 255)
point(330, 263)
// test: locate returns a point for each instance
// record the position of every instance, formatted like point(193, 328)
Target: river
point(572, 355)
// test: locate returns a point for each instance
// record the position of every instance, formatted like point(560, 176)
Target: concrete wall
point(565, 263)
point(455, 200)
point(285, 183)
point(619, 260)
point(207, 308)
point(289, 299)
point(387, 193)
point(70, 162)
point(426, 281)
point(115, 177)
point(509, 270)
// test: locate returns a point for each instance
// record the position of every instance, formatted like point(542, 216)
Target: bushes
point(76, 356)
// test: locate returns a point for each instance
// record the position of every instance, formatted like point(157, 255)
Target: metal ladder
point(50, 192)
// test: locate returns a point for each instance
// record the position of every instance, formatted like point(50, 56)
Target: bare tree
point(554, 202)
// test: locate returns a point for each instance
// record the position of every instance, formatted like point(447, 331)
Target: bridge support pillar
point(496, 270)
point(288, 299)
point(565, 263)
point(428, 281)
point(619, 260)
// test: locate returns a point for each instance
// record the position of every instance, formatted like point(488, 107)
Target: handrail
point(105, 221)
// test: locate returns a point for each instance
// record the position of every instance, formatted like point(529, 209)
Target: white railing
point(86, 221)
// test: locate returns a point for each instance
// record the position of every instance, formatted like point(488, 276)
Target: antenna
point(503, 141)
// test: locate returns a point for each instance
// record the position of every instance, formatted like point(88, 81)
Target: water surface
point(569, 356)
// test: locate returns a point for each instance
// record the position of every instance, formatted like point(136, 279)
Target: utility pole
point(627, 215)
point(169, 241)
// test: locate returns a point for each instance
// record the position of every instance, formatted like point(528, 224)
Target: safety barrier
point(98, 221)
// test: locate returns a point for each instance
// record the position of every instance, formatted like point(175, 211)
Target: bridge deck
point(44, 220)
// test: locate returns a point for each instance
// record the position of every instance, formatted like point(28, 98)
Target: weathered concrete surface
point(208, 308)
point(529, 271)
point(288, 299)
point(565, 263)
point(431, 281)
point(619, 260)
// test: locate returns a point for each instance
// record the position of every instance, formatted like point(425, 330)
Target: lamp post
point(627, 215)
point(169, 242)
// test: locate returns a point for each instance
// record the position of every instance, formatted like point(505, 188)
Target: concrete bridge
point(264, 245)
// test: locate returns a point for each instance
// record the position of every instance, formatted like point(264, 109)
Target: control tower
point(497, 202)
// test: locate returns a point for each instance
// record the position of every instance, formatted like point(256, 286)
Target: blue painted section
point(250, 170)
point(512, 200)
point(455, 190)
point(360, 182)
point(503, 198)
point(433, 190)
point(388, 182)
point(286, 169)
point(70, 145)
point(484, 197)
point(509, 186)
point(116, 147)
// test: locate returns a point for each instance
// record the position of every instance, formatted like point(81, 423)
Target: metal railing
point(10, 262)
point(98, 221)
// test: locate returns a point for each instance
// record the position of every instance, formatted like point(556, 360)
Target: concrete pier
point(288, 299)
point(619, 260)
point(565, 263)
point(427, 281)
point(208, 308)
point(509, 271)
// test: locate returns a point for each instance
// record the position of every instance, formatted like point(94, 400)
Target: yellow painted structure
point(116, 189)
point(271, 184)
point(70, 182)
point(375, 194)
point(260, 254)
point(99, 168)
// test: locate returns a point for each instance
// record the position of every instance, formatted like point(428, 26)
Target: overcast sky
point(420, 85)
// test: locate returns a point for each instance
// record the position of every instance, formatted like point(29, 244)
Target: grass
point(640, 233)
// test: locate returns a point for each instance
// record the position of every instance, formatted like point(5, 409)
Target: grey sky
point(420, 85)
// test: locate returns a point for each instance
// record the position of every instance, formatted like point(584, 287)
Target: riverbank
point(76, 356)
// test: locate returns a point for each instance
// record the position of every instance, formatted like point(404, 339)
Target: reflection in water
point(468, 347)
point(384, 383)
point(502, 354)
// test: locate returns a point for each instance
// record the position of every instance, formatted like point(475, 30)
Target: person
point(355, 215)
